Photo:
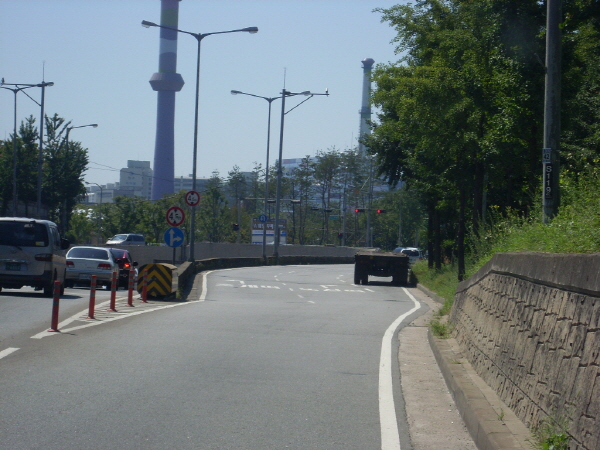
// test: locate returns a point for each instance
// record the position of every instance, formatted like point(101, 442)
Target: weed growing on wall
point(551, 434)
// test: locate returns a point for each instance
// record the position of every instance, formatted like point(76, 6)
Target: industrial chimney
point(365, 110)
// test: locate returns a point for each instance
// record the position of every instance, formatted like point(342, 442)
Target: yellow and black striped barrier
point(162, 279)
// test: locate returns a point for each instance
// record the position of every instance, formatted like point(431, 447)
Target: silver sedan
point(83, 262)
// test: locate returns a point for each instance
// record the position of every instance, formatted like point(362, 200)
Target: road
point(269, 358)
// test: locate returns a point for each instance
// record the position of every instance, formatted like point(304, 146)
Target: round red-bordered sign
point(192, 198)
point(175, 216)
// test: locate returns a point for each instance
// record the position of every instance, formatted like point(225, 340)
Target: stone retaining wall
point(529, 323)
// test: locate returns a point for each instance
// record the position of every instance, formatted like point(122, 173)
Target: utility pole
point(551, 151)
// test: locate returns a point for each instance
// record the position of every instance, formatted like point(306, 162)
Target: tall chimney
point(365, 110)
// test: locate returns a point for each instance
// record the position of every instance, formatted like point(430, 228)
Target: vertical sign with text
point(548, 173)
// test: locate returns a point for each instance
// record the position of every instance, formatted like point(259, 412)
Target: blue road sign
point(174, 237)
point(263, 218)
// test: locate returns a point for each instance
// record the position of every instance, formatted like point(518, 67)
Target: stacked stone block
point(529, 323)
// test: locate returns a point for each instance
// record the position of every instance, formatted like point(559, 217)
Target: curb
point(491, 424)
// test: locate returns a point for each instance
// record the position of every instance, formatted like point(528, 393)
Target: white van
point(32, 253)
point(127, 239)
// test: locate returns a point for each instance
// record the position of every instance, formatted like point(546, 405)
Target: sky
point(100, 60)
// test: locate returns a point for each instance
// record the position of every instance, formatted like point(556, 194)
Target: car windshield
point(87, 253)
point(23, 234)
point(118, 237)
point(410, 252)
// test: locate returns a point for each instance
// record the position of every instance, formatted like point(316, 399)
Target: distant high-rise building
point(137, 177)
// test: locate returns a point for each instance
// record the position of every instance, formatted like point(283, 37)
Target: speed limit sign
point(175, 216)
point(192, 198)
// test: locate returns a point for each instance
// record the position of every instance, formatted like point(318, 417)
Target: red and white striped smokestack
point(365, 110)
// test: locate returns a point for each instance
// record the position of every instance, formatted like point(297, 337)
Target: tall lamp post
point(18, 87)
point(199, 37)
point(100, 211)
point(67, 158)
point(269, 100)
point(284, 94)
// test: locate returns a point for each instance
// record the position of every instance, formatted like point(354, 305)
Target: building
point(136, 179)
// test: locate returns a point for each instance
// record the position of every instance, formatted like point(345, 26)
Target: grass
point(575, 229)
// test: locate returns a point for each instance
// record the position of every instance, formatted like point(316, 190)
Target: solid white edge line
point(204, 286)
point(7, 352)
point(390, 437)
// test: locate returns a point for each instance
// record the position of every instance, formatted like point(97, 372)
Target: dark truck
point(381, 264)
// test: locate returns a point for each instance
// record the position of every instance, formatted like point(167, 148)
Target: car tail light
point(70, 264)
point(43, 257)
point(126, 266)
point(104, 266)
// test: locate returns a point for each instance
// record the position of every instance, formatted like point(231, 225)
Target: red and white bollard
point(55, 304)
point(92, 305)
point(130, 293)
point(113, 292)
point(145, 286)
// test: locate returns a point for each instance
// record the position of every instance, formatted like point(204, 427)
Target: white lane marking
point(225, 284)
point(390, 437)
point(7, 352)
point(61, 326)
point(301, 296)
point(204, 287)
point(291, 289)
point(64, 323)
point(370, 290)
point(310, 301)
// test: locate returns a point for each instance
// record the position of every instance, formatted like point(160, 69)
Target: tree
point(213, 211)
point(453, 111)
point(326, 175)
point(63, 169)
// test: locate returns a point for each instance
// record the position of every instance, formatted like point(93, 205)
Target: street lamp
point(269, 100)
point(284, 94)
point(94, 193)
point(16, 89)
point(99, 208)
point(199, 37)
point(67, 158)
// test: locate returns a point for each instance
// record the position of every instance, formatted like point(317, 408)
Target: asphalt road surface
point(284, 357)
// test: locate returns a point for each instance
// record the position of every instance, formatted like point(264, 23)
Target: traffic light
point(340, 235)
point(359, 210)
point(236, 227)
point(381, 211)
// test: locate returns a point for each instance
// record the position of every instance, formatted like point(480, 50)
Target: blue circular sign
point(174, 237)
point(263, 218)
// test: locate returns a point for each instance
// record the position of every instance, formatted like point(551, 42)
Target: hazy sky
point(100, 59)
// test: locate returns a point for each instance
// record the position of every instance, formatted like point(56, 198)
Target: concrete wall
point(529, 323)
point(202, 250)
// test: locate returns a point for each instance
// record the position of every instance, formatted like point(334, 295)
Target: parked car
point(83, 262)
point(32, 253)
point(413, 253)
point(126, 263)
point(398, 249)
point(127, 239)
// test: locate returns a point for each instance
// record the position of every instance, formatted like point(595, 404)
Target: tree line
point(318, 198)
point(63, 165)
point(461, 112)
